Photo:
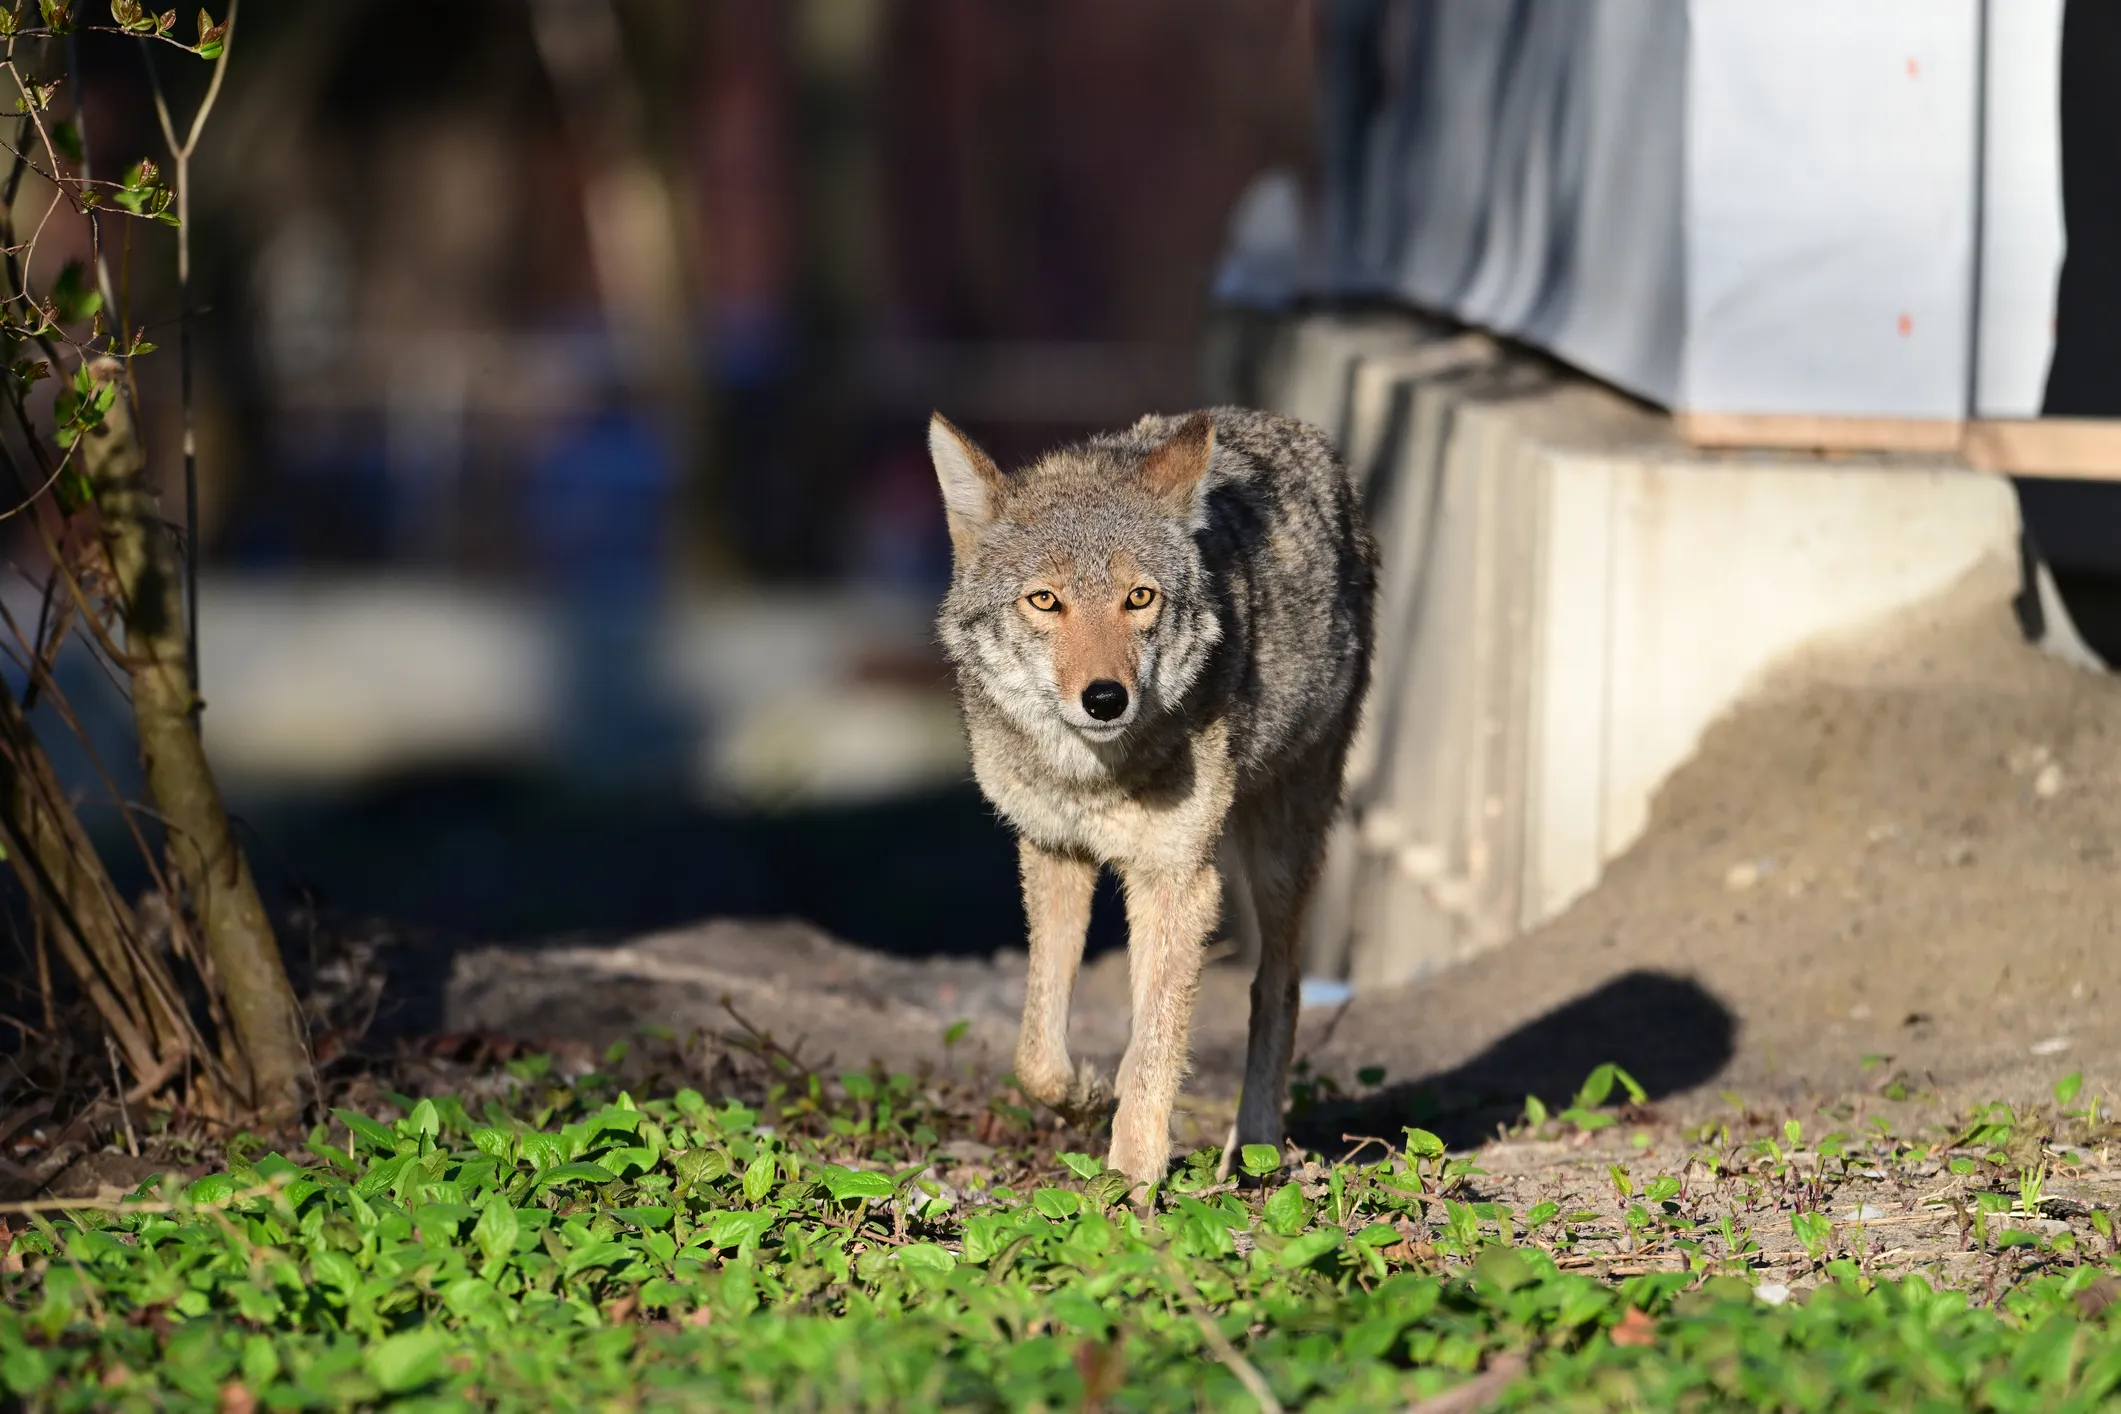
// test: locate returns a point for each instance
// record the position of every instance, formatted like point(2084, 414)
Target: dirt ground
point(1894, 862)
point(1904, 845)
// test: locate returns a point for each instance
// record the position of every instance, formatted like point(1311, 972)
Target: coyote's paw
point(1088, 1101)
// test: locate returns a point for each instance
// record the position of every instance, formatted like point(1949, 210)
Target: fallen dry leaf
point(1635, 1328)
point(2096, 1297)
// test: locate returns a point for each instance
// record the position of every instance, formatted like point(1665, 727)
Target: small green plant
point(1426, 1160)
point(1814, 1232)
point(1585, 1110)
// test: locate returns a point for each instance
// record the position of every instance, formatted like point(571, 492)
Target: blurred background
point(570, 549)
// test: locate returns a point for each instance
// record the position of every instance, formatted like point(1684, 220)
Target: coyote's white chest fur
point(1072, 801)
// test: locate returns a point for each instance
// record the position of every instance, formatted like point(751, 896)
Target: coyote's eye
point(1141, 597)
point(1043, 600)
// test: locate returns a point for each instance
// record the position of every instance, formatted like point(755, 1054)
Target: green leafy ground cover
point(877, 1242)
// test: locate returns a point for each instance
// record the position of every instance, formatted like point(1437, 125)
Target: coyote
point(1162, 642)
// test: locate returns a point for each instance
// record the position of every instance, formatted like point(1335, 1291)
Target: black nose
point(1105, 699)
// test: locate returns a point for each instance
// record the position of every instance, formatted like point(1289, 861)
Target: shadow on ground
point(1668, 1032)
point(448, 860)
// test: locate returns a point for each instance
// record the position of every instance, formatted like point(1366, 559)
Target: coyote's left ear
point(972, 483)
point(1174, 470)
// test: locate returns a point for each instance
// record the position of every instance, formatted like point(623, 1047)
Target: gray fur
point(1251, 680)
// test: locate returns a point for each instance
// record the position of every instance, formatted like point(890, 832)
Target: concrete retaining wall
point(1570, 597)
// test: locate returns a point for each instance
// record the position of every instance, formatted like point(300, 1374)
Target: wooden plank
point(2082, 449)
point(2076, 448)
point(1795, 432)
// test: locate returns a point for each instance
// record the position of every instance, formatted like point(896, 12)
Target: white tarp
point(1742, 206)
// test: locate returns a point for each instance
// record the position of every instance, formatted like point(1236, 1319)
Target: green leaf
point(2067, 1087)
point(846, 1184)
point(627, 1162)
point(425, 1119)
point(1108, 1188)
point(407, 1360)
point(1285, 1212)
point(335, 1269)
point(954, 1033)
point(25, 1369)
point(497, 1229)
point(659, 1294)
point(697, 1166)
point(261, 1363)
point(373, 1134)
point(1378, 1235)
point(543, 1151)
point(1259, 1160)
point(213, 38)
point(1057, 1203)
point(759, 1176)
point(1423, 1145)
point(1502, 1268)
point(215, 1188)
point(925, 1257)
point(1813, 1232)
point(738, 1229)
point(624, 1118)
point(383, 1175)
point(1303, 1251)
point(1082, 1165)
point(580, 1172)
point(474, 1299)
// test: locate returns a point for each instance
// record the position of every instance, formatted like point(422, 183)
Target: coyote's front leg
point(1169, 917)
point(1057, 893)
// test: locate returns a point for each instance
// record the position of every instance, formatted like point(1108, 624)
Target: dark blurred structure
point(564, 371)
point(1010, 210)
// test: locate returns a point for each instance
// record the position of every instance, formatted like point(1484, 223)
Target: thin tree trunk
point(202, 848)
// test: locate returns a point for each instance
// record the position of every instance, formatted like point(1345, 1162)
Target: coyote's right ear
point(972, 483)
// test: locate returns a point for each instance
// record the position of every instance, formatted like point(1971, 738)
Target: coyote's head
point(1078, 601)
